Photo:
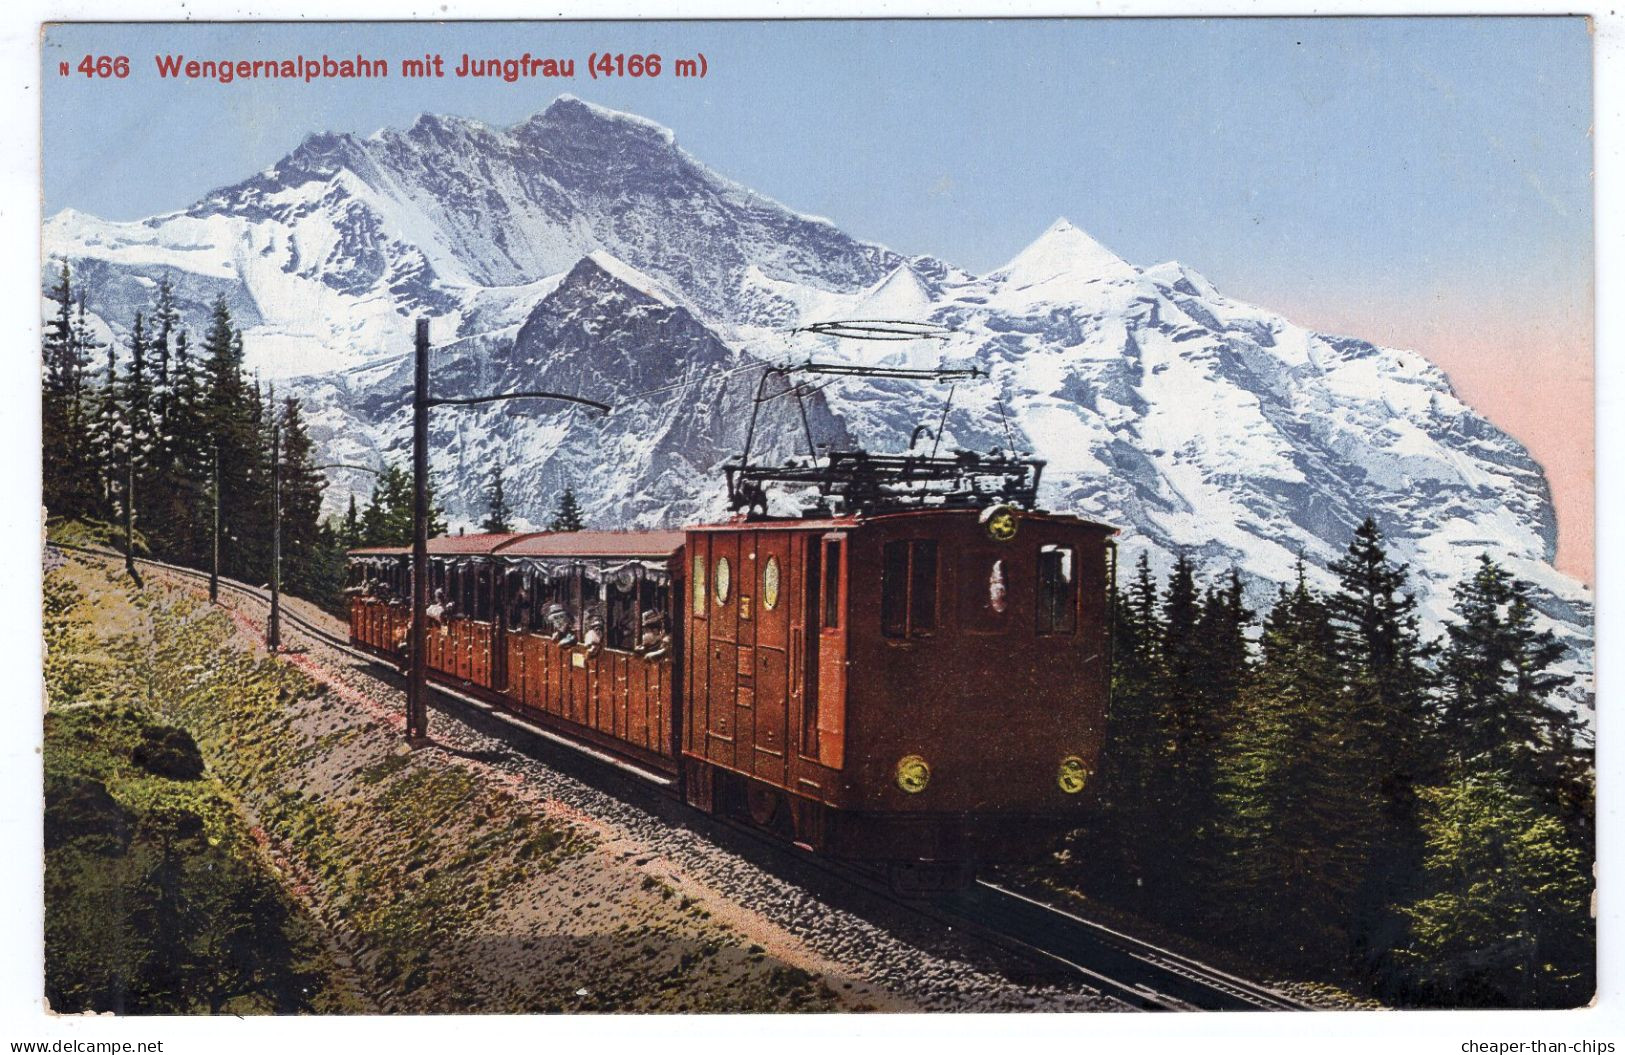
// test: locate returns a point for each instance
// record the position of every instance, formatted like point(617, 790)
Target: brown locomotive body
point(918, 686)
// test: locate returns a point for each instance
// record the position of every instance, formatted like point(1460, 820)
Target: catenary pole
point(273, 627)
point(417, 720)
point(214, 565)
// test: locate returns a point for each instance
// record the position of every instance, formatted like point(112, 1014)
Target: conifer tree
point(138, 401)
point(1298, 798)
point(1506, 917)
point(165, 319)
point(107, 438)
point(498, 517)
point(1498, 682)
point(1222, 664)
point(1134, 751)
point(568, 515)
point(303, 554)
point(1379, 637)
point(66, 467)
point(1185, 791)
point(387, 520)
point(350, 530)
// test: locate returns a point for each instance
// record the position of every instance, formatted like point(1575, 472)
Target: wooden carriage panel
point(463, 640)
point(482, 654)
point(577, 686)
point(636, 729)
point(623, 696)
point(601, 692)
point(659, 707)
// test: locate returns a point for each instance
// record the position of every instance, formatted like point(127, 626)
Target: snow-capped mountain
point(583, 251)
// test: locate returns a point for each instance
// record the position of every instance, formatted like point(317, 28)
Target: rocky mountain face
point(583, 251)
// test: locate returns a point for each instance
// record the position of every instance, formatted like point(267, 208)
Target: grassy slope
point(443, 889)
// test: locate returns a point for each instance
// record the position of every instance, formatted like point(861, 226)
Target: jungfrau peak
point(1057, 262)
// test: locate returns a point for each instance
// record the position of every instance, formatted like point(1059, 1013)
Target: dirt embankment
point(442, 883)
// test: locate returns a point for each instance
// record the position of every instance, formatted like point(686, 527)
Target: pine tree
point(1385, 664)
point(1186, 790)
point(1379, 637)
point(66, 464)
point(568, 516)
point(498, 517)
point(138, 402)
point(1298, 798)
point(387, 520)
point(107, 439)
point(1498, 683)
point(350, 532)
point(303, 554)
point(190, 466)
point(1222, 662)
point(1133, 759)
point(165, 320)
point(1506, 918)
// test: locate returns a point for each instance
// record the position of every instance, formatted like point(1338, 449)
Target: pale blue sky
point(1289, 155)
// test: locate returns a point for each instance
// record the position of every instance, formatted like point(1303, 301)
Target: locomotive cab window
point(832, 584)
point(908, 588)
point(1057, 590)
point(985, 595)
point(701, 594)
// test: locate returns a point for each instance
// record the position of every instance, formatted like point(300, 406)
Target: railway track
point(1135, 972)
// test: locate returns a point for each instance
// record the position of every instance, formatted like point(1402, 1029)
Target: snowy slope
point(584, 250)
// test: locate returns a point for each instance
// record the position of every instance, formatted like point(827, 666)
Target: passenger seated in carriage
point(594, 637)
point(655, 640)
point(558, 624)
point(441, 611)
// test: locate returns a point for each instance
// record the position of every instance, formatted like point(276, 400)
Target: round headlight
point(1072, 775)
point(913, 774)
point(1000, 522)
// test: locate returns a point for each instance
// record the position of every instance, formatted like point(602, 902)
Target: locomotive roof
point(543, 544)
point(846, 522)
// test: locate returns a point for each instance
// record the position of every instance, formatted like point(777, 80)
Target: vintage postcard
point(817, 516)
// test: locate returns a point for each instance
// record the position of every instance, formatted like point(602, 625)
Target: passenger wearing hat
point(654, 640)
point(557, 621)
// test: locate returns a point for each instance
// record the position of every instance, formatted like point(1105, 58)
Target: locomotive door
point(771, 610)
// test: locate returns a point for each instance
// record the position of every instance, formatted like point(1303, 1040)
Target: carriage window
point(1057, 590)
point(623, 608)
point(654, 595)
point(700, 594)
point(484, 578)
point(832, 584)
point(908, 588)
point(591, 608)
